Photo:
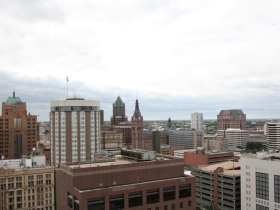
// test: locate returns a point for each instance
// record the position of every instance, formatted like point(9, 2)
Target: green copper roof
point(14, 100)
point(119, 102)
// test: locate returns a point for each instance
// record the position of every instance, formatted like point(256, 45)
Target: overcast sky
point(179, 57)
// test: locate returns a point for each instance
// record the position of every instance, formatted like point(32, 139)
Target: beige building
point(215, 143)
point(111, 139)
point(26, 184)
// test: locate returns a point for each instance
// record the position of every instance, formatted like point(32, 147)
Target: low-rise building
point(215, 143)
point(27, 184)
point(122, 184)
point(236, 137)
point(204, 157)
point(111, 139)
point(218, 186)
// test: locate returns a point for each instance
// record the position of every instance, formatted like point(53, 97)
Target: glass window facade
point(277, 188)
point(262, 185)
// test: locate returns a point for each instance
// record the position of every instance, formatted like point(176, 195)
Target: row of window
point(136, 199)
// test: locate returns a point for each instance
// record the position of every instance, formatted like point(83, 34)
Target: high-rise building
point(187, 139)
point(118, 112)
point(75, 130)
point(234, 118)
point(18, 130)
point(137, 128)
point(235, 137)
point(260, 183)
point(197, 121)
point(272, 136)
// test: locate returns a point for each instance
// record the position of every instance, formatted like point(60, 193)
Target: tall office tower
point(234, 118)
point(260, 183)
point(75, 130)
point(197, 121)
point(18, 130)
point(118, 112)
point(137, 128)
point(272, 136)
point(101, 117)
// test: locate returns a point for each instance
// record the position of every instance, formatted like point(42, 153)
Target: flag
point(67, 79)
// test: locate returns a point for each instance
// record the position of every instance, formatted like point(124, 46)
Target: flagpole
point(67, 80)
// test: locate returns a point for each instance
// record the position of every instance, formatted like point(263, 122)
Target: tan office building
point(27, 184)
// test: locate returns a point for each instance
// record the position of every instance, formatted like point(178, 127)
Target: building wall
point(231, 119)
point(75, 130)
point(187, 139)
point(235, 137)
point(272, 135)
point(111, 139)
point(18, 131)
point(215, 143)
point(128, 179)
point(203, 158)
point(197, 121)
point(27, 189)
point(250, 165)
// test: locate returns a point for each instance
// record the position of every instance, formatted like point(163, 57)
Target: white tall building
point(75, 130)
point(272, 135)
point(260, 183)
point(197, 121)
point(235, 137)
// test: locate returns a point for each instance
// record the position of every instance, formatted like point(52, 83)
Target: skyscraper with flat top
point(137, 128)
point(197, 121)
point(18, 130)
point(75, 130)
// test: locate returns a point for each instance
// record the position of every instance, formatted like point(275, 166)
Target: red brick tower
point(137, 128)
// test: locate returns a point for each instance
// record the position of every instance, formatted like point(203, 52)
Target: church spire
point(137, 112)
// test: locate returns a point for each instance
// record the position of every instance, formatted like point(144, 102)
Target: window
point(135, 200)
point(69, 200)
point(277, 188)
point(185, 191)
point(260, 207)
point(165, 207)
point(169, 194)
point(181, 205)
point(116, 202)
point(152, 196)
point(97, 204)
point(262, 187)
point(173, 206)
point(189, 203)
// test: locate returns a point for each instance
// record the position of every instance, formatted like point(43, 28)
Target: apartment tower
point(75, 130)
point(197, 121)
point(137, 128)
point(18, 130)
point(234, 118)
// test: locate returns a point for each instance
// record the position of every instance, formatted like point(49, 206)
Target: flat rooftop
point(118, 160)
point(263, 156)
point(227, 166)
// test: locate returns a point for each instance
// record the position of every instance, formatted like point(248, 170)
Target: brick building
point(202, 157)
point(123, 184)
point(234, 118)
point(18, 130)
point(111, 139)
point(137, 141)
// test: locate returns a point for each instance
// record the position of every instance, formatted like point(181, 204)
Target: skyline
point(179, 57)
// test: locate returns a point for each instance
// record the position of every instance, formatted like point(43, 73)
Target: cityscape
point(139, 105)
point(77, 161)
